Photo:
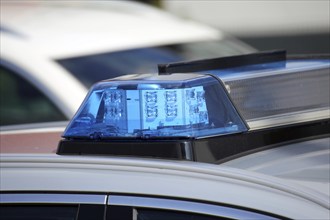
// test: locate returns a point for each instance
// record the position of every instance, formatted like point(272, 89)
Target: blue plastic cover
point(149, 106)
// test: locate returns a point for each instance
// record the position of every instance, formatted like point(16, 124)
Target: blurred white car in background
point(298, 26)
point(52, 52)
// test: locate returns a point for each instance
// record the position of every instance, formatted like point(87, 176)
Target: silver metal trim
point(188, 152)
point(185, 206)
point(295, 117)
point(29, 198)
point(272, 72)
point(291, 95)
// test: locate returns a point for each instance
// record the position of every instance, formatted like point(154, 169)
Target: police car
point(243, 137)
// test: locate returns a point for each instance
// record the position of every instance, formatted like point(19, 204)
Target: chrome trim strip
point(29, 198)
point(188, 152)
point(185, 206)
point(272, 72)
point(281, 96)
point(296, 117)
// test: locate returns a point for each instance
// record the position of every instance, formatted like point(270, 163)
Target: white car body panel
point(162, 178)
point(257, 18)
point(303, 163)
point(93, 30)
point(42, 72)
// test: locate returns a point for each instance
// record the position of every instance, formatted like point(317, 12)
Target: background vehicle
point(300, 27)
point(52, 52)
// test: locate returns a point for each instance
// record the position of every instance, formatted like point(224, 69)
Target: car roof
point(185, 180)
point(302, 164)
point(99, 26)
point(305, 163)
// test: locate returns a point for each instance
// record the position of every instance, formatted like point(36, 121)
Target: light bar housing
point(267, 88)
point(189, 106)
point(209, 110)
point(287, 92)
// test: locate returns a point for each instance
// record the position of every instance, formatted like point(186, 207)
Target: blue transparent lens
point(192, 106)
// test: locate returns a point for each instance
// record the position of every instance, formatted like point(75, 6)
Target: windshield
point(93, 68)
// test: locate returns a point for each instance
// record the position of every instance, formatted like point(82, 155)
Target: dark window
point(91, 212)
point(119, 213)
point(95, 67)
point(21, 103)
point(154, 214)
point(147, 208)
point(28, 212)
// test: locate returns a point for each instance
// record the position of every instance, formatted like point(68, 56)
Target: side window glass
point(20, 102)
point(154, 214)
point(146, 208)
point(29, 212)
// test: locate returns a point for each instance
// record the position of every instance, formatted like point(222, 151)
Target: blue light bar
point(267, 88)
point(149, 106)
